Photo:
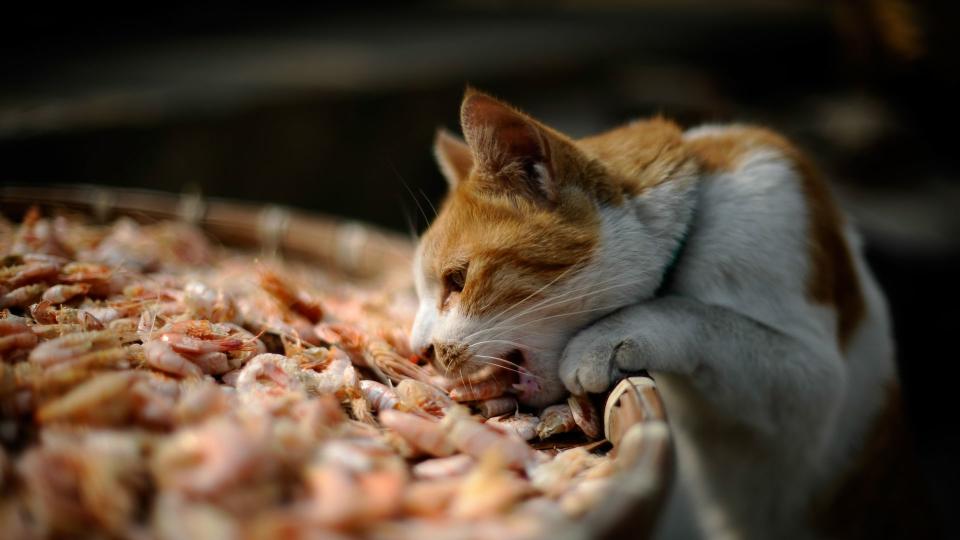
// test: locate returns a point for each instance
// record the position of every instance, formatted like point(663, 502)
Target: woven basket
point(634, 418)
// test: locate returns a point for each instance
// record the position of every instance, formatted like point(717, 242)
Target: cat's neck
point(641, 240)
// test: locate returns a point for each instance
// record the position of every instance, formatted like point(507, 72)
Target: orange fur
point(641, 154)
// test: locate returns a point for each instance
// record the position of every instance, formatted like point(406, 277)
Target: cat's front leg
point(634, 338)
point(743, 367)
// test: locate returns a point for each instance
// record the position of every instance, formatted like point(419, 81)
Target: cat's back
point(769, 213)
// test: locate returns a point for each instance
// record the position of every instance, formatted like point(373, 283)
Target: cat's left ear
point(453, 156)
point(509, 148)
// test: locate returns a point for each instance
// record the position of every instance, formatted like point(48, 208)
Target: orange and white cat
point(715, 258)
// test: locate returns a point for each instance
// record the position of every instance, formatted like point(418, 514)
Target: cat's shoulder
point(654, 150)
point(728, 148)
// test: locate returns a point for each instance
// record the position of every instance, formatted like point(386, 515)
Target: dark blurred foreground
point(335, 112)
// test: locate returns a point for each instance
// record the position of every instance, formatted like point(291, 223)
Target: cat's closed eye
point(454, 280)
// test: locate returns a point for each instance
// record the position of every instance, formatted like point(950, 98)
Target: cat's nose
point(427, 353)
point(446, 356)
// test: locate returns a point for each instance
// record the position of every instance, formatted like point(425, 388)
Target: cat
point(716, 259)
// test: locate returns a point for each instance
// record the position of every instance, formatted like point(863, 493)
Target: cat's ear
point(453, 156)
point(509, 148)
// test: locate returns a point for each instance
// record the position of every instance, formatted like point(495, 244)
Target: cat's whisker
point(508, 362)
point(410, 191)
point(517, 305)
point(560, 300)
point(549, 302)
point(432, 207)
point(572, 267)
point(602, 308)
point(462, 381)
point(554, 304)
point(514, 343)
point(494, 320)
point(469, 382)
point(507, 368)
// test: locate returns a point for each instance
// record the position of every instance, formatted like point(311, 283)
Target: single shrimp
point(271, 376)
point(44, 313)
point(497, 406)
point(381, 356)
point(162, 356)
point(210, 348)
point(263, 312)
point(492, 387)
point(521, 424)
point(556, 419)
point(102, 279)
point(418, 396)
point(348, 338)
point(296, 300)
point(53, 331)
point(15, 335)
point(22, 296)
point(205, 302)
point(585, 415)
point(197, 337)
point(476, 439)
point(104, 400)
point(79, 272)
point(81, 348)
point(444, 467)
point(212, 362)
point(25, 274)
point(46, 258)
point(427, 435)
point(59, 294)
point(338, 378)
point(398, 339)
point(379, 396)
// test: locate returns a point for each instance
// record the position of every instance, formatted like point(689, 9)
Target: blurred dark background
point(333, 109)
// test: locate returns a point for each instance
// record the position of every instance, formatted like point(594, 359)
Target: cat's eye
point(454, 280)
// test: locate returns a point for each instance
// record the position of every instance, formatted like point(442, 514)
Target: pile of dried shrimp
point(153, 385)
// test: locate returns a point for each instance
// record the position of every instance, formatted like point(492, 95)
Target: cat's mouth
point(515, 359)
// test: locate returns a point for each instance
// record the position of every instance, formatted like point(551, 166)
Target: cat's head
point(509, 269)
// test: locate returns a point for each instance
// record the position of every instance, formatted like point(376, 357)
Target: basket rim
point(358, 248)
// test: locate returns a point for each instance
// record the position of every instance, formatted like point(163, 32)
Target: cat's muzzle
point(450, 356)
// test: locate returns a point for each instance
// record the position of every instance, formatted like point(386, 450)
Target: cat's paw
point(595, 358)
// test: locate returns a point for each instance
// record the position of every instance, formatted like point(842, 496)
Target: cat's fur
point(714, 258)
